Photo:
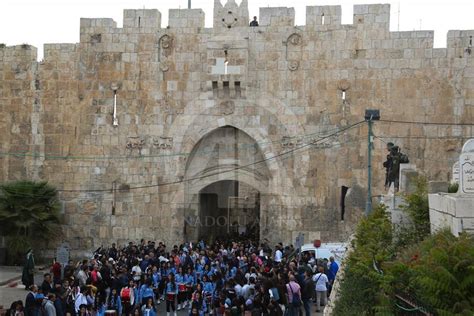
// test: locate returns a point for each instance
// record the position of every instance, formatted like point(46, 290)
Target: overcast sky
point(57, 21)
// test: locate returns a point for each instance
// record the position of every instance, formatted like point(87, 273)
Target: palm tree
point(29, 212)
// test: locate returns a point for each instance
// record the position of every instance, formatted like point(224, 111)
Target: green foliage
point(361, 289)
point(436, 270)
point(445, 273)
point(29, 213)
point(453, 187)
point(418, 210)
point(17, 247)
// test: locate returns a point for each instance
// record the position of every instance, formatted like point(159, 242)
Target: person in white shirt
point(238, 289)
point(278, 255)
point(246, 289)
point(81, 299)
point(320, 281)
point(137, 272)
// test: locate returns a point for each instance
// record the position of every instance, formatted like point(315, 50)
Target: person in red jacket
point(56, 271)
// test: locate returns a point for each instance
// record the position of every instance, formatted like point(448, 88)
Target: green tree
point(29, 213)
point(362, 287)
point(444, 273)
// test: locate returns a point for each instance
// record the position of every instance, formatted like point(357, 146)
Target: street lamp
point(370, 116)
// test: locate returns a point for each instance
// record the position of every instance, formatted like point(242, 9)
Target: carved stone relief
point(165, 49)
point(164, 65)
point(229, 19)
point(293, 65)
point(166, 41)
point(290, 142)
point(163, 142)
point(294, 39)
point(135, 142)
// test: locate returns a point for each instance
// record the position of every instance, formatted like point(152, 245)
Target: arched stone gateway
point(226, 177)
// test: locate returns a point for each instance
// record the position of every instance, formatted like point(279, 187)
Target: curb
point(17, 278)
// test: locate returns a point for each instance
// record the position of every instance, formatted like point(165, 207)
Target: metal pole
point(228, 214)
point(368, 208)
point(189, 4)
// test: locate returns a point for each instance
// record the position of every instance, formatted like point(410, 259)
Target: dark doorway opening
point(229, 209)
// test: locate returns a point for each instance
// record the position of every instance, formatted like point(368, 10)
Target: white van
point(336, 250)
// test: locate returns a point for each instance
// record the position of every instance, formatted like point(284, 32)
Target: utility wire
point(231, 170)
point(257, 162)
point(364, 138)
point(426, 123)
point(142, 157)
point(428, 137)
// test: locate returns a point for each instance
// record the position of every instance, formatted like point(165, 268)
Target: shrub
point(361, 288)
point(453, 187)
point(418, 210)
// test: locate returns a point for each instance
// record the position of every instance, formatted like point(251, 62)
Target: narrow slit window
point(115, 119)
point(214, 88)
point(322, 19)
point(344, 190)
point(238, 92)
point(226, 88)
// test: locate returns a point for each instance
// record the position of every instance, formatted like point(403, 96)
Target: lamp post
point(115, 87)
point(370, 116)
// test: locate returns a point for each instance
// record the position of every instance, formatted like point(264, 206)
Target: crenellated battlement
point(371, 24)
point(277, 16)
point(186, 19)
point(22, 52)
point(373, 18)
point(320, 17)
point(141, 18)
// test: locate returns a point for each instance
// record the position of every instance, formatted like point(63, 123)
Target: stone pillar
point(456, 211)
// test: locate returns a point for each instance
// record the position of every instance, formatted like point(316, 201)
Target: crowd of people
point(225, 278)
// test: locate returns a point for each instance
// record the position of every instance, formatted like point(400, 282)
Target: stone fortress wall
point(279, 85)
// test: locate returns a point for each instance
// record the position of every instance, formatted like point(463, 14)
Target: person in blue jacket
point(148, 309)
point(170, 292)
point(190, 282)
point(198, 271)
point(114, 302)
point(181, 281)
point(156, 280)
point(198, 305)
point(165, 271)
point(146, 292)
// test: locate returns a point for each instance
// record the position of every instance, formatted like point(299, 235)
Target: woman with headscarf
point(27, 277)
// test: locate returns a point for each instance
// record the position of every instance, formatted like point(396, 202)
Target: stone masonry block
point(189, 18)
point(327, 15)
point(278, 16)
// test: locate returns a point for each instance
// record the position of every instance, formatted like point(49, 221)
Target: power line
point(427, 123)
point(192, 186)
point(143, 157)
point(109, 191)
point(411, 150)
point(427, 137)
point(227, 171)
